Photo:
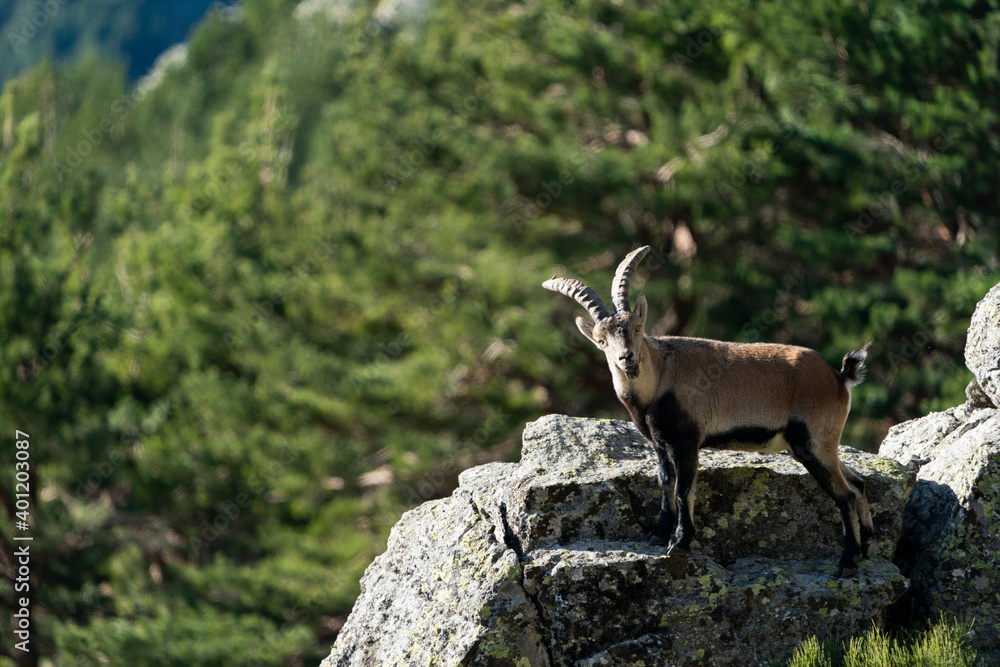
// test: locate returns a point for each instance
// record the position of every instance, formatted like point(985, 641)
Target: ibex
point(761, 397)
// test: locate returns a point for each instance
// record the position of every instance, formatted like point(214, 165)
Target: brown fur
point(686, 393)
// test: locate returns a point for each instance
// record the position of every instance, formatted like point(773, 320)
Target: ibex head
point(618, 334)
point(760, 397)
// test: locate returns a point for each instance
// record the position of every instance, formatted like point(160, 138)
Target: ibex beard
point(687, 393)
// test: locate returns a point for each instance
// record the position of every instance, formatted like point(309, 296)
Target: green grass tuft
point(941, 645)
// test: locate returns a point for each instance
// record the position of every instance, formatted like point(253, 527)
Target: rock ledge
point(541, 562)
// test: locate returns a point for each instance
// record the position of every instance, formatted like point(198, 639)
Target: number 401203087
point(22, 469)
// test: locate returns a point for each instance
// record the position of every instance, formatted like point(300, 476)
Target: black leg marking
point(638, 418)
point(675, 436)
point(747, 435)
point(844, 495)
point(864, 509)
point(665, 479)
point(686, 457)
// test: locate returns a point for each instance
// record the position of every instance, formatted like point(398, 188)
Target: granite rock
point(982, 346)
point(951, 541)
point(951, 538)
point(541, 562)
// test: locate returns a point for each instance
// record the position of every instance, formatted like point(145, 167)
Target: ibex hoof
point(657, 541)
point(845, 572)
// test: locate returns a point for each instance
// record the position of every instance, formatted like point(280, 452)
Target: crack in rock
point(544, 561)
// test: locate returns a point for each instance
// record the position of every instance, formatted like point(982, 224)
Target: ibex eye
point(803, 400)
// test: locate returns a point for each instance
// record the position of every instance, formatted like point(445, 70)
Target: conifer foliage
point(253, 313)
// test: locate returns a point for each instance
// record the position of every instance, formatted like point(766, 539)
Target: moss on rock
point(544, 561)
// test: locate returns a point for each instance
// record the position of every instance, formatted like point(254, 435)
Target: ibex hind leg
point(864, 510)
point(823, 464)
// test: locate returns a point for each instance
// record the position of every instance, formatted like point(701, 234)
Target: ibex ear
point(586, 328)
point(640, 307)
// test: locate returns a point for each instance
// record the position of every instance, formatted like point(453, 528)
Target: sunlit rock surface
point(951, 543)
point(542, 563)
point(951, 540)
point(982, 347)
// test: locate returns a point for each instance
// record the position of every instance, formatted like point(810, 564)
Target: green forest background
point(250, 315)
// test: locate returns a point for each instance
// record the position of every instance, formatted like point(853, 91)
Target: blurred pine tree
point(252, 314)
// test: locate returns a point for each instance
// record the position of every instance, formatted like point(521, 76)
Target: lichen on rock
point(445, 592)
point(543, 561)
point(636, 603)
point(982, 347)
point(747, 503)
point(951, 541)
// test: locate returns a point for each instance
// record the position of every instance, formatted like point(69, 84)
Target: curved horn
point(623, 276)
point(584, 295)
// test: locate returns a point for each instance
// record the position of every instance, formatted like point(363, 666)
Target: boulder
point(982, 347)
point(541, 562)
point(594, 479)
point(951, 542)
point(444, 592)
point(976, 397)
point(950, 547)
point(608, 603)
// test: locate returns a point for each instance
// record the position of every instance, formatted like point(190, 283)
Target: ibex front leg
point(666, 479)
point(685, 459)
